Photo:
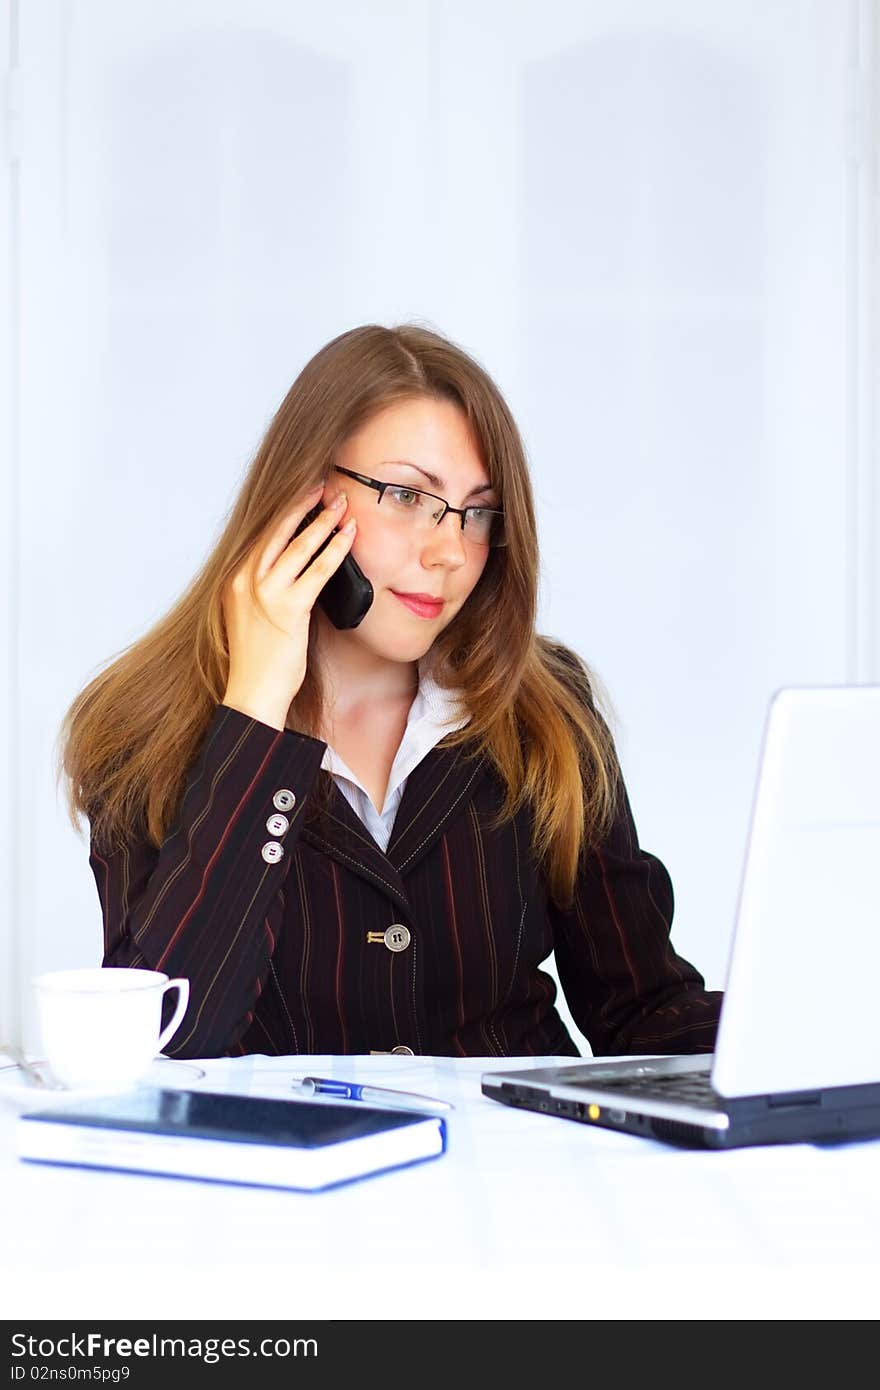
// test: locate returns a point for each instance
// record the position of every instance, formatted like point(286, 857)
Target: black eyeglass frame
point(405, 487)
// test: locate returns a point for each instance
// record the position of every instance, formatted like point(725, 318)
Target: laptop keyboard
point(694, 1088)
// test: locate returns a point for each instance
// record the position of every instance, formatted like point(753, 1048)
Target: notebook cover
point(229, 1124)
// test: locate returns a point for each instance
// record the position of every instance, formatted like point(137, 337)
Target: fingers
point(303, 547)
point(281, 534)
point(309, 583)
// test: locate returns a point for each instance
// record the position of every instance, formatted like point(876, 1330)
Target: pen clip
point(321, 1086)
point(381, 1096)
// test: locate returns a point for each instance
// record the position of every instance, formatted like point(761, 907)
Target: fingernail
point(339, 500)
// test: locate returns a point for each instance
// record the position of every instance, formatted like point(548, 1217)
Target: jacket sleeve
point(206, 905)
point(627, 989)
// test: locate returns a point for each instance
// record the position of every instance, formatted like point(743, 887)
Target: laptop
point(797, 1055)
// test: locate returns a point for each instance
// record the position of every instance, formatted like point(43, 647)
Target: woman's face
point(401, 445)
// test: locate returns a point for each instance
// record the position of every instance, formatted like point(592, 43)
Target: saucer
point(18, 1088)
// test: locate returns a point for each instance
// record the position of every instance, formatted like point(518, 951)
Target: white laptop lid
point(802, 999)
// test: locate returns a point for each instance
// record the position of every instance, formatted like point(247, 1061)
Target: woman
point(366, 838)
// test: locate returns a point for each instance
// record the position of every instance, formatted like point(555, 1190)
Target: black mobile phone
point(348, 593)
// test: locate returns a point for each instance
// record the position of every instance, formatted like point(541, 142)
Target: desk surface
point(526, 1216)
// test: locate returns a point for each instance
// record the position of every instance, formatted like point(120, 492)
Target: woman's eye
point(403, 494)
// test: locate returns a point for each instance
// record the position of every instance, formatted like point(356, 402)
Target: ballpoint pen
point(372, 1095)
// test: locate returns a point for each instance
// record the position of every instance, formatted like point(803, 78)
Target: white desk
point(525, 1216)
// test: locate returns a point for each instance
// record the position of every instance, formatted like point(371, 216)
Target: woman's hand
point(267, 660)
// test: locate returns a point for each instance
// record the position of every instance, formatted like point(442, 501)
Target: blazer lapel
point(346, 839)
point(437, 790)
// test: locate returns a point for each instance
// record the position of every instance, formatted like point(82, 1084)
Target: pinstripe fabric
point(278, 955)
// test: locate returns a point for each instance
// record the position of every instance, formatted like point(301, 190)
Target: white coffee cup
point(103, 1026)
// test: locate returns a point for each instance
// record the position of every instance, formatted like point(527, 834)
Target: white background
point(653, 221)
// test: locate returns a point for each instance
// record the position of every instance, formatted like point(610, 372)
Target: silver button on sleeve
point(284, 799)
point(278, 824)
point(272, 851)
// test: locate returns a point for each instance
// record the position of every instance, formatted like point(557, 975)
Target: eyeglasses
point(415, 510)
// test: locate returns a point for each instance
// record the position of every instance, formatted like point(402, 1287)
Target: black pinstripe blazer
point(292, 953)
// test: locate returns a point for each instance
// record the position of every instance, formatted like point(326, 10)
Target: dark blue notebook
point(306, 1145)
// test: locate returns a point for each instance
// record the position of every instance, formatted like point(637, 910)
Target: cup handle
point(182, 1000)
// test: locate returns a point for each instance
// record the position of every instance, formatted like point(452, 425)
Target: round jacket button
point(284, 800)
point(397, 937)
point(404, 1051)
point(272, 851)
point(278, 825)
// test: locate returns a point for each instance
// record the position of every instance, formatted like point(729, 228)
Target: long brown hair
point(130, 736)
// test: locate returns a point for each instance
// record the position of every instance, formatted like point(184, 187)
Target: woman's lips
point(419, 606)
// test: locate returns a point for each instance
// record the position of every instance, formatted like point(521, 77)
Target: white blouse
point(434, 712)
